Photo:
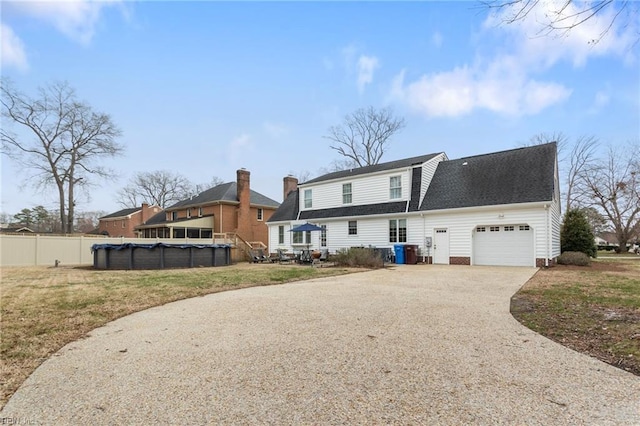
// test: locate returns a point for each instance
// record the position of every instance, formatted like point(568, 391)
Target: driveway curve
point(405, 345)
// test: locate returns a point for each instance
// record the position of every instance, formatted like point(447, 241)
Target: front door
point(441, 246)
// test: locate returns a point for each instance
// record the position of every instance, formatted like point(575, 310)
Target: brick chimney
point(244, 208)
point(290, 184)
point(145, 213)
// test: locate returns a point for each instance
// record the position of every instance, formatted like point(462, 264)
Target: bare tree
point(199, 187)
point(613, 186)
point(160, 187)
point(364, 135)
point(579, 155)
point(89, 220)
point(561, 17)
point(68, 144)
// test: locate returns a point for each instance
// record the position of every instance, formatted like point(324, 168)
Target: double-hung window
point(353, 227)
point(308, 202)
point(395, 187)
point(260, 214)
point(398, 231)
point(281, 234)
point(346, 193)
point(296, 237)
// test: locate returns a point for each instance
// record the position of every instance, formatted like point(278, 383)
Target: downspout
point(548, 237)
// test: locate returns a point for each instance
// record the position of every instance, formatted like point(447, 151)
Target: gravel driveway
point(406, 345)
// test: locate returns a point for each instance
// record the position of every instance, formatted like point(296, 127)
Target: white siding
point(374, 231)
point(428, 170)
point(462, 223)
point(366, 189)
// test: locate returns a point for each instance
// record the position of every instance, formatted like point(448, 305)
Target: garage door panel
point(507, 245)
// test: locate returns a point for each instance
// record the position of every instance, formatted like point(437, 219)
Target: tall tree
point(364, 135)
point(65, 144)
point(613, 186)
point(573, 158)
point(199, 187)
point(24, 217)
point(160, 187)
point(559, 18)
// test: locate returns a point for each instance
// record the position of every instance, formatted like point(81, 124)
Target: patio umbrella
point(305, 227)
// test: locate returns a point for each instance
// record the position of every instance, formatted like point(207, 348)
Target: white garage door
point(507, 245)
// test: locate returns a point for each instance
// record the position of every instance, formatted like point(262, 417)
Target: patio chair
point(285, 257)
point(324, 255)
point(261, 256)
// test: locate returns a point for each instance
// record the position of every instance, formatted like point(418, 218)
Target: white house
point(501, 208)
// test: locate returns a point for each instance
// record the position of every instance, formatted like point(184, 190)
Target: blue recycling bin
point(399, 251)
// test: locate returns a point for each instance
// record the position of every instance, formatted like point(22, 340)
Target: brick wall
point(453, 260)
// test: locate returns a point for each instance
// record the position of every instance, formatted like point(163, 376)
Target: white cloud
point(366, 66)
point(593, 37)
point(77, 19)
point(13, 54)
point(466, 89)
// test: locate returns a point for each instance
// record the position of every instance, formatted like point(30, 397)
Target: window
point(123, 223)
point(524, 228)
point(188, 213)
point(398, 231)
point(494, 228)
point(199, 211)
point(509, 228)
point(296, 237)
point(307, 237)
point(395, 187)
point(178, 232)
point(353, 227)
point(346, 193)
point(308, 203)
point(481, 229)
point(174, 215)
point(281, 234)
point(323, 236)
point(260, 213)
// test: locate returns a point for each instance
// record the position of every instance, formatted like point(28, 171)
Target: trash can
point(411, 254)
point(399, 251)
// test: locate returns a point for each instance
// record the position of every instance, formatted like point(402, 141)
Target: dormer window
point(395, 187)
point(347, 195)
point(308, 201)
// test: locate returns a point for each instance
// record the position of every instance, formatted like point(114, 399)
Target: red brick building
point(231, 207)
point(123, 222)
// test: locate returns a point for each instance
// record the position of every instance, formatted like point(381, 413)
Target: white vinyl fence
point(41, 250)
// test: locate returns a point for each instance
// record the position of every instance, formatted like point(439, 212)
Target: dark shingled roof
point(288, 210)
point(120, 213)
point(509, 177)
point(360, 210)
point(156, 219)
point(398, 164)
point(225, 192)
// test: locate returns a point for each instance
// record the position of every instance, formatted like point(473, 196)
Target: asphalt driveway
point(406, 345)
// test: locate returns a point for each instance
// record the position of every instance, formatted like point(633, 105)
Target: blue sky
point(206, 88)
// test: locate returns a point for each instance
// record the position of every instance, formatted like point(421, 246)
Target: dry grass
point(43, 309)
point(591, 309)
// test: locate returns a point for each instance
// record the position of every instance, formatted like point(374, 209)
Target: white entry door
point(441, 246)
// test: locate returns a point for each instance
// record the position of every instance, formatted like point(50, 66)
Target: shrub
point(576, 234)
point(358, 257)
point(574, 258)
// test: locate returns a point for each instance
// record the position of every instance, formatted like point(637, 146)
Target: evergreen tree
point(576, 234)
